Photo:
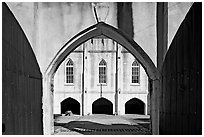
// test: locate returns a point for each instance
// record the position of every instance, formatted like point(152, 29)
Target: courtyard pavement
point(101, 124)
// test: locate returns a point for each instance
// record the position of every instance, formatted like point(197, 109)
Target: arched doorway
point(134, 106)
point(96, 30)
point(70, 104)
point(102, 106)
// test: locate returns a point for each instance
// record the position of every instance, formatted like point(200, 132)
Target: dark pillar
point(125, 24)
point(162, 31)
point(124, 18)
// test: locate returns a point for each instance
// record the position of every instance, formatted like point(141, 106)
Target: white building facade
point(101, 77)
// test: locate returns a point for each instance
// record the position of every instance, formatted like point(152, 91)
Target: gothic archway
point(70, 104)
point(134, 106)
point(102, 106)
point(99, 29)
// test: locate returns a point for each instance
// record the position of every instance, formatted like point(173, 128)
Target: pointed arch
point(70, 104)
point(103, 29)
point(102, 62)
point(99, 29)
point(69, 62)
point(135, 106)
point(135, 63)
point(102, 106)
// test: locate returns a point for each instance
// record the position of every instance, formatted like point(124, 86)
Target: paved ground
point(102, 125)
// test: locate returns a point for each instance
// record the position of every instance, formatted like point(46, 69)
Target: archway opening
point(118, 36)
point(70, 104)
point(102, 106)
point(134, 106)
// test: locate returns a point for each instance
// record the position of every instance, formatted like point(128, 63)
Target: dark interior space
point(102, 106)
point(70, 104)
point(134, 106)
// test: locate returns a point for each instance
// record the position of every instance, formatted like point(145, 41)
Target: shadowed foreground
point(103, 125)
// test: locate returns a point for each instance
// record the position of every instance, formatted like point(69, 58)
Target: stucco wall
point(176, 14)
point(49, 25)
point(95, 51)
point(144, 22)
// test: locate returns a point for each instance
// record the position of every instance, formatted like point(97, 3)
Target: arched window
point(69, 72)
point(102, 71)
point(135, 72)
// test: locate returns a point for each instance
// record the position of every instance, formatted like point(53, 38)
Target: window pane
point(135, 72)
point(102, 74)
point(69, 74)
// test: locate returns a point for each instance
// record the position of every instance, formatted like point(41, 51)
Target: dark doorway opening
point(102, 106)
point(70, 104)
point(134, 106)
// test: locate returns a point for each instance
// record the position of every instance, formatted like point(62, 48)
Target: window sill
point(134, 84)
point(69, 84)
point(103, 84)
